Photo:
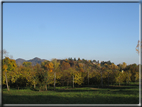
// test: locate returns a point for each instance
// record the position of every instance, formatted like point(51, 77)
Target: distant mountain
point(20, 61)
point(34, 61)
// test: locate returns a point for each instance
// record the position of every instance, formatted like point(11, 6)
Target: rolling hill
point(34, 61)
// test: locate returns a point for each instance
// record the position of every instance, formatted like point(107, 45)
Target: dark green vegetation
point(80, 95)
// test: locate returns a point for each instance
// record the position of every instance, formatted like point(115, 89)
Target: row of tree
point(67, 72)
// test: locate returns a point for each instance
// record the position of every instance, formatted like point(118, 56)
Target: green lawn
point(83, 95)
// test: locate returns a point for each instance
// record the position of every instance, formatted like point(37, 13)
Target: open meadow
point(79, 95)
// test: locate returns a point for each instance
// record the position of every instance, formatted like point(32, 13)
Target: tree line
point(68, 72)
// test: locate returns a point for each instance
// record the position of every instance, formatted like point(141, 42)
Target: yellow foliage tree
point(55, 67)
point(137, 76)
point(78, 79)
point(120, 78)
point(128, 75)
point(9, 65)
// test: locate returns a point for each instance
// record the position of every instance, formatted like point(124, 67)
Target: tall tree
point(48, 67)
point(120, 78)
point(78, 79)
point(101, 70)
point(33, 74)
point(9, 65)
point(64, 66)
point(88, 71)
point(127, 76)
point(56, 65)
point(137, 76)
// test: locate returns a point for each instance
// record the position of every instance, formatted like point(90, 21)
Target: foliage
point(120, 78)
point(67, 72)
point(8, 67)
point(78, 79)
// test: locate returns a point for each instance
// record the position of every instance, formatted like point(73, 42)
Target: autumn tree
point(88, 72)
point(137, 76)
point(122, 66)
point(120, 78)
point(78, 79)
point(33, 75)
point(27, 64)
point(109, 68)
point(72, 70)
point(138, 48)
point(81, 67)
point(55, 67)
point(101, 71)
point(127, 76)
point(9, 65)
point(68, 76)
point(64, 66)
point(133, 69)
point(42, 79)
point(18, 75)
point(47, 67)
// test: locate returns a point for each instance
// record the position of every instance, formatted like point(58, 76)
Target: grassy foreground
point(83, 95)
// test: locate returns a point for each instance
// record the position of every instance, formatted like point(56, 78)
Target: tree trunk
point(18, 87)
point(128, 77)
point(46, 87)
point(6, 81)
point(108, 78)
point(88, 78)
point(54, 79)
point(62, 83)
point(67, 84)
point(34, 84)
point(73, 81)
point(101, 79)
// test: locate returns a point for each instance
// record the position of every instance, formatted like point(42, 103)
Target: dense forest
point(67, 72)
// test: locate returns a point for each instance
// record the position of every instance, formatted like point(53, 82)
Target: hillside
point(34, 61)
point(19, 61)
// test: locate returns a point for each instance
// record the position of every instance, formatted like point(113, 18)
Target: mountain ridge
point(34, 61)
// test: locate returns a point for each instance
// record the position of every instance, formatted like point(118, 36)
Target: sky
point(91, 31)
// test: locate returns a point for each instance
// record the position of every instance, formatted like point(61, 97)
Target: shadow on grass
point(120, 87)
point(94, 88)
point(80, 99)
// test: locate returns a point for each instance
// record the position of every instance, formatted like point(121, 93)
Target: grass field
point(82, 95)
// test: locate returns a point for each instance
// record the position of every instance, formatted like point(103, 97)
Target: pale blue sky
point(100, 31)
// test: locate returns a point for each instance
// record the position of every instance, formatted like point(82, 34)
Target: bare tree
point(139, 45)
